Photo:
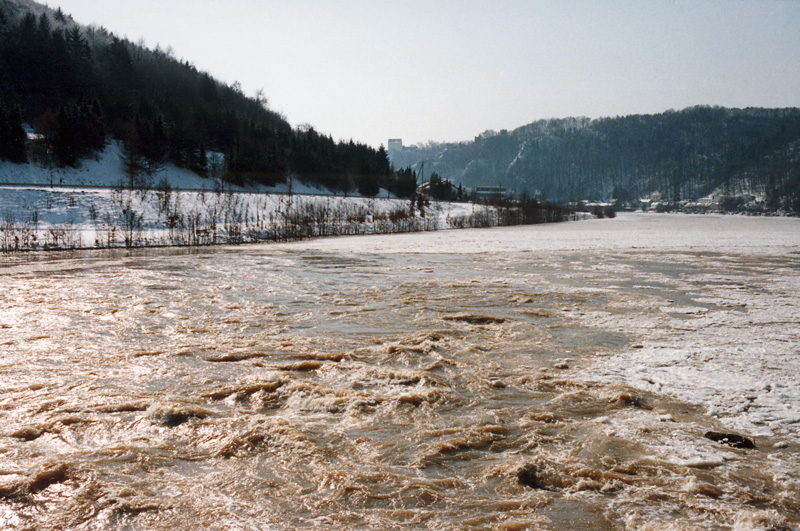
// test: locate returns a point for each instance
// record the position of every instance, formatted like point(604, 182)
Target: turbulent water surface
point(547, 377)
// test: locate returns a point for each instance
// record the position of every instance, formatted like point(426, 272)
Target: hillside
point(677, 155)
point(80, 87)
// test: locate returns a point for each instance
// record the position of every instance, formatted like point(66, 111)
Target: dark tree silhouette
point(12, 135)
point(86, 86)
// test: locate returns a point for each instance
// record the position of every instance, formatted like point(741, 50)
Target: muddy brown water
point(287, 387)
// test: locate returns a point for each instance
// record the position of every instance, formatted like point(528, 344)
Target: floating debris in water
point(730, 439)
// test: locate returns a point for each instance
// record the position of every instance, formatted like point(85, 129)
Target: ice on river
point(731, 344)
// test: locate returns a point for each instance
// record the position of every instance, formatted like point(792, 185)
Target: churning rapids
point(557, 377)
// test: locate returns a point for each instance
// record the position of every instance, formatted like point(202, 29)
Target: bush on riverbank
point(72, 219)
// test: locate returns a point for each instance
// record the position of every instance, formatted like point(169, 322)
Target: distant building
point(395, 144)
point(489, 193)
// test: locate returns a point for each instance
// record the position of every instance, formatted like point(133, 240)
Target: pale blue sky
point(447, 70)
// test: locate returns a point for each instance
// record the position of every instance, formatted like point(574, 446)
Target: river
point(552, 377)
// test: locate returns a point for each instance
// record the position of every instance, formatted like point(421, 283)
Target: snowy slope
point(105, 170)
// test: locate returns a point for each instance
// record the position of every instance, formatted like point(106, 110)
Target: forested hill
point(680, 154)
point(80, 87)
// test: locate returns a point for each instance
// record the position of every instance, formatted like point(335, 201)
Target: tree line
point(680, 154)
point(80, 87)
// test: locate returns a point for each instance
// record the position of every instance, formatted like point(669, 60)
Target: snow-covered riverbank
point(66, 218)
point(95, 206)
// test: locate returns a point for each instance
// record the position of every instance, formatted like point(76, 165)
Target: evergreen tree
point(154, 144)
point(66, 141)
point(79, 87)
point(3, 134)
point(368, 185)
point(12, 135)
point(16, 137)
point(133, 163)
